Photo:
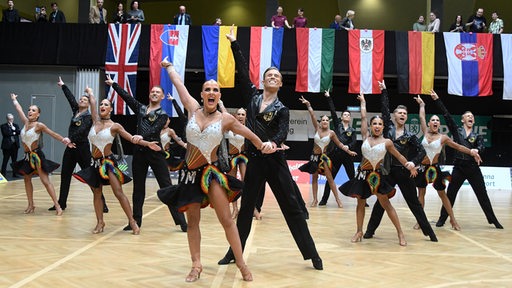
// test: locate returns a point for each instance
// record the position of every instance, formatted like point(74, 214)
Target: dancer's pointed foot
point(99, 228)
point(194, 274)
point(314, 203)
point(246, 273)
point(357, 237)
point(30, 209)
point(416, 226)
point(455, 225)
point(135, 227)
point(401, 240)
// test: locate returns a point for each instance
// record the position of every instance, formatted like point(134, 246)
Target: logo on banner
point(366, 45)
point(170, 37)
point(469, 52)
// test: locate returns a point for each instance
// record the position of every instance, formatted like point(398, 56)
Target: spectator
point(420, 24)
point(10, 15)
point(98, 14)
point(435, 23)
point(477, 23)
point(457, 26)
point(57, 16)
point(41, 15)
point(347, 22)
point(10, 143)
point(121, 16)
point(496, 26)
point(337, 23)
point(182, 18)
point(279, 20)
point(135, 15)
point(218, 22)
point(300, 20)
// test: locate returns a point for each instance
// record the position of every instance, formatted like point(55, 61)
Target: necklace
point(206, 113)
point(105, 118)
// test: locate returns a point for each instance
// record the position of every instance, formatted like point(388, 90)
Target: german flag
point(415, 61)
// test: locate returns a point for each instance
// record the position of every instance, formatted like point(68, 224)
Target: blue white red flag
point(266, 50)
point(469, 58)
point(168, 41)
point(121, 63)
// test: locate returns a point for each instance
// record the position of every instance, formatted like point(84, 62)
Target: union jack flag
point(121, 63)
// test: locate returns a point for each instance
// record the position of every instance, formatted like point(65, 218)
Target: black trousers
point(469, 170)
point(143, 158)
point(298, 195)
point(274, 170)
point(401, 176)
point(11, 153)
point(80, 155)
point(338, 158)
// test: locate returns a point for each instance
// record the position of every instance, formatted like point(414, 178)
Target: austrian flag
point(469, 58)
point(121, 63)
point(366, 60)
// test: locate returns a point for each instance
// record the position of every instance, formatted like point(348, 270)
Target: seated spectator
point(457, 26)
point(477, 23)
point(56, 16)
point(135, 15)
point(337, 23)
point(41, 16)
point(347, 22)
point(496, 26)
point(435, 23)
point(10, 15)
point(279, 20)
point(420, 24)
point(121, 16)
point(98, 14)
point(182, 18)
point(300, 20)
point(218, 22)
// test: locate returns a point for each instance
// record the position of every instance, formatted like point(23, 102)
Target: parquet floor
point(43, 250)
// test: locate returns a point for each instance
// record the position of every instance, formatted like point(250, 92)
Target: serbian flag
point(415, 61)
point(121, 61)
point(219, 63)
point(266, 50)
point(315, 59)
point(469, 58)
point(506, 47)
point(366, 61)
point(168, 41)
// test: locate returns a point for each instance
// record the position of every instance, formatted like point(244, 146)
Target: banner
point(366, 61)
point(219, 63)
point(266, 50)
point(506, 48)
point(168, 41)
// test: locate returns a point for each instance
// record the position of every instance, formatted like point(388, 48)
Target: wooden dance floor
point(44, 250)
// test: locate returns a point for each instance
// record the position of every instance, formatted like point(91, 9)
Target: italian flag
point(366, 61)
point(315, 59)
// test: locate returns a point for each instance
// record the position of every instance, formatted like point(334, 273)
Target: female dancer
point(319, 162)
point(35, 161)
point(369, 180)
point(203, 183)
point(429, 171)
point(104, 171)
point(174, 162)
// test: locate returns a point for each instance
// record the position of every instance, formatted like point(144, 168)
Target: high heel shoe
point(135, 227)
point(314, 203)
point(401, 240)
point(194, 274)
point(416, 226)
point(455, 225)
point(99, 228)
point(59, 211)
point(257, 214)
point(340, 205)
point(246, 274)
point(30, 209)
point(357, 237)
point(234, 214)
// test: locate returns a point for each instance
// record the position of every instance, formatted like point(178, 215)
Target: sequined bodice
point(374, 154)
point(235, 140)
point(322, 142)
point(29, 137)
point(165, 139)
point(207, 140)
point(433, 148)
point(101, 139)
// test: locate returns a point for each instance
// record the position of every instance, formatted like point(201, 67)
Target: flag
point(315, 59)
point(266, 49)
point(121, 63)
point(366, 60)
point(469, 57)
point(219, 63)
point(415, 61)
point(506, 47)
point(168, 41)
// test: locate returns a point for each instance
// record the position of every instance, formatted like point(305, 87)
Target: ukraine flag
point(219, 63)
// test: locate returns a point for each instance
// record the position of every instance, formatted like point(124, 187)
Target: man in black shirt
point(477, 23)
point(10, 15)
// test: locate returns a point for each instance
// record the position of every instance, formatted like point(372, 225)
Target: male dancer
point(408, 145)
point(78, 131)
point(151, 119)
point(464, 166)
point(347, 136)
point(268, 118)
